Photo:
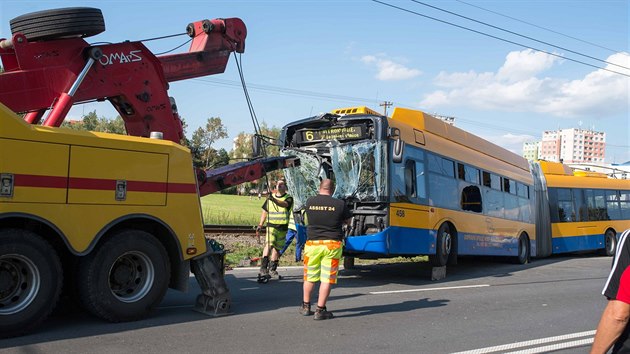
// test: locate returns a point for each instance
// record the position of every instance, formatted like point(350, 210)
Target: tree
point(243, 150)
point(200, 144)
point(94, 123)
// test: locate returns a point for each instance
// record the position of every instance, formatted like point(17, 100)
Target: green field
point(226, 209)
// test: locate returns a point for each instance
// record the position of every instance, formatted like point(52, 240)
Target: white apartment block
point(573, 146)
point(531, 151)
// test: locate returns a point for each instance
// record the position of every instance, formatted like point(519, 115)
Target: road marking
point(429, 289)
point(502, 348)
point(554, 347)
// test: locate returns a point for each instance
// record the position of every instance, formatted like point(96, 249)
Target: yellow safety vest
point(276, 214)
point(291, 221)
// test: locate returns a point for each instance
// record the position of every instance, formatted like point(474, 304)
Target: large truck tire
point(125, 278)
point(59, 23)
point(31, 278)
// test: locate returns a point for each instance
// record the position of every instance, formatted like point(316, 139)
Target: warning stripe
point(23, 180)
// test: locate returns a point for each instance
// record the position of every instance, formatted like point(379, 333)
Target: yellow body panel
point(31, 158)
point(85, 206)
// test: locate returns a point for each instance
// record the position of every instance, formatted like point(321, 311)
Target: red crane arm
point(57, 73)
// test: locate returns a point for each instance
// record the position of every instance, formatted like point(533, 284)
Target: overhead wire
point(518, 34)
point(498, 38)
point(540, 27)
point(323, 96)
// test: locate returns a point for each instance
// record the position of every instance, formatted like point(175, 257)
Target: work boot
point(322, 314)
point(305, 310)
point(273, 266)
point(264, 266)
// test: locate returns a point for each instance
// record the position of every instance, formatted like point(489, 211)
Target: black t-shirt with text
point(325, 215)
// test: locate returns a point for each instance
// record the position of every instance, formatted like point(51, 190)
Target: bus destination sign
point(349, 132)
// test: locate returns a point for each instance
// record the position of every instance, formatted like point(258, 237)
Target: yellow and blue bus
point(416, 185)
point(586, 209)
point(420, 186)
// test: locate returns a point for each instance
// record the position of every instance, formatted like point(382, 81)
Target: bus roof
point(422, 121)
point(355, 110)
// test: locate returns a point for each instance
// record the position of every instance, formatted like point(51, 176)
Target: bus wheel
point(443, 243)
point(523, 250)
point(348, 262)
point(30, 281)
point(610, 241)
point(125, 278)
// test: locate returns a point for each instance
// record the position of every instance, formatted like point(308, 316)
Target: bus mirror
point(397, 153)
point(393, 132)
point(257, 147)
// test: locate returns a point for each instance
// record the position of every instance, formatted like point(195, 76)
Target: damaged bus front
point(352, 150)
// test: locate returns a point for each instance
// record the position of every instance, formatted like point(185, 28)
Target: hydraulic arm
point(54, 74)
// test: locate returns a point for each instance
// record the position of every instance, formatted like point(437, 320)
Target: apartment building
point(573, 145)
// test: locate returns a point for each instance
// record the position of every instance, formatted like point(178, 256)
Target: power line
point(518, 34)
point(323, 96)
point(543, 28)
point(499, 38)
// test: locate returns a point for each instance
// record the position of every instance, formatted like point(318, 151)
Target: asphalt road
point(550, 304)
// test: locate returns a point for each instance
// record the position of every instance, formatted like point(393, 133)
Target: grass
point(226, 209)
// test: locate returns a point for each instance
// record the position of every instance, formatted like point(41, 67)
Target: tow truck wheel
point(125, 278)
point(30, 281)
point(443, 246)
point(59, 23)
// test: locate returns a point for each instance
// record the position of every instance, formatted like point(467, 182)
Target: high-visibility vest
point(277, 215)
point(291, 221)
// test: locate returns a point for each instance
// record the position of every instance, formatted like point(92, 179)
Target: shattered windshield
point(303, 181)
point(358, 170)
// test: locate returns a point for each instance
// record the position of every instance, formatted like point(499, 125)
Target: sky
point(303, 58)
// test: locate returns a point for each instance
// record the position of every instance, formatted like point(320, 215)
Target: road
point(546, 305)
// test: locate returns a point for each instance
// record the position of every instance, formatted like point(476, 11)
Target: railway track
point(229, 229)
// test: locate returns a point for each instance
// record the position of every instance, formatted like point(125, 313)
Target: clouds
point(519, 85)
point(389, 70)
point(512, 142)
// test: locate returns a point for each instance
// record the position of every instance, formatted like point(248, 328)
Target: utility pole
point(386, 104)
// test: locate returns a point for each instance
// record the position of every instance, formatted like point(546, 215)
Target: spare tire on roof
point(59, 23)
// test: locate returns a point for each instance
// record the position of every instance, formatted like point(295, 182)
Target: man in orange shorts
point(325, 216)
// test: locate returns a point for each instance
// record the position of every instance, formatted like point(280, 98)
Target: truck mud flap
point(215, 298)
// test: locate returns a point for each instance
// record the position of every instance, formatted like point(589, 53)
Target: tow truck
point(113, 220)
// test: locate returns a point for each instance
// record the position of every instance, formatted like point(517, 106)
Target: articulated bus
point(419, 186)
point(586, 209)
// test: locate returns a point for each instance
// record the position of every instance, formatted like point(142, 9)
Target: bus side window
point(624, 204)
point(565, 205)
point(612, 205)
point(410, 178)
point(471, 199)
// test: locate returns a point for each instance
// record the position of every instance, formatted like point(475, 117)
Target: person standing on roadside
point(275, 216)
point(325, 217)
point(613, 330)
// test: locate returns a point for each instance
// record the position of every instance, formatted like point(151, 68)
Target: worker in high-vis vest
point(295, 232)
point(275, 216)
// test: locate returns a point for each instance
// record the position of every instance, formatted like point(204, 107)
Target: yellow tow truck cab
point(118, 216)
